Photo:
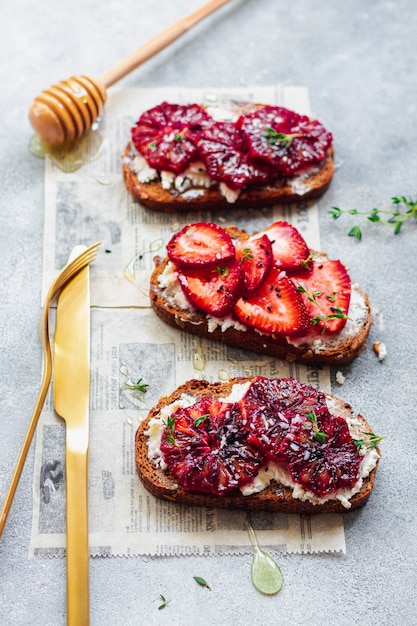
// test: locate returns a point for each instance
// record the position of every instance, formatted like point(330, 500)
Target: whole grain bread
point(275, 497)
point(340, 349)
point(305, 186)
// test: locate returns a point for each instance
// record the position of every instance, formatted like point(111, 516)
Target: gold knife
point(72, 399)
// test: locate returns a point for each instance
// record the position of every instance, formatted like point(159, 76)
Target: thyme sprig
point(370, 443)
point(165, 602)
point(170, 430)
point(319, 435)
point(336, 315)
point(247, 254)
point(283, 138)
point(138, 386)
point(403, 210)
point(312, 297)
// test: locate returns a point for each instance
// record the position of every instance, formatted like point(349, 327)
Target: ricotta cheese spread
point(272, 471)
point(357, 314)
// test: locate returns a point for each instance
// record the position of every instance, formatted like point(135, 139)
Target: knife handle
point(78, 579)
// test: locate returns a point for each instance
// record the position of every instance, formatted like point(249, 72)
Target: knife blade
point(71, 400)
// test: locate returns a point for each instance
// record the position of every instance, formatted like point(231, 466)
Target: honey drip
point(265, 572)
point(72, 156)
point(131, 271)
point(199, 360)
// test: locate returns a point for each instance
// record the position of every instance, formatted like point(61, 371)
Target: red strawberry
point(275, 307)
point(207, 451)
point(255, 257)
point(326, 294)
point(162, 135)
point(213, 290)
point(320, 453)
point(290, 251)
point(200, 245)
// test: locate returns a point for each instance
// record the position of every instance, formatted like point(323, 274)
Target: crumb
point(340, 378)
point(380, 350)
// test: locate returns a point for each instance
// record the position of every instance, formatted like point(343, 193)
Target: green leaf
point(223, 271)
point(247, 254)
point(318, 434)
point(164, 602)
point(170, 439)
point(201, 419)
point(355, 232)
point(201, 582)
point(335, 212)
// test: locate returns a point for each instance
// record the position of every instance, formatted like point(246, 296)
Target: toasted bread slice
point(336, 349)
point(152, 194)
point(275, 497)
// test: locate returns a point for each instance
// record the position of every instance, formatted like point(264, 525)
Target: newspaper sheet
point(129, 342)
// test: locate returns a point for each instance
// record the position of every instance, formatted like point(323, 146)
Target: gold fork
point(66, 274)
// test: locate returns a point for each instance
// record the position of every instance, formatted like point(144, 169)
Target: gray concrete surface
point(358, 60)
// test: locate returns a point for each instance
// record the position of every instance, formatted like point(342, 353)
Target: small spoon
point(266, 573)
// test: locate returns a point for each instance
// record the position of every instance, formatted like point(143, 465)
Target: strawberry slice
point(289, 249)
point(255, 257)
point(326, 294)
point(275, 307)
point(200, 245)
point(213, 290)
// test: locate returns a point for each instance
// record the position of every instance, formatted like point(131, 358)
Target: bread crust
point(305, 186)
point(275, 497)
point(153, 196)
point(336, 352)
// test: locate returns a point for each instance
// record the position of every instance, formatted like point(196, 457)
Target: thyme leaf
point(222, 271)
point(319, 435)
point(247, 254)
point(201, 582)
point(403, 209)
point(201, 419)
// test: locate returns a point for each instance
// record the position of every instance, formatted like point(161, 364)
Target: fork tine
point(83, 259)
point(70, 270)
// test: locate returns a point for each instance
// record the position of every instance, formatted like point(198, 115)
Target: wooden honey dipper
point(67, 110)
